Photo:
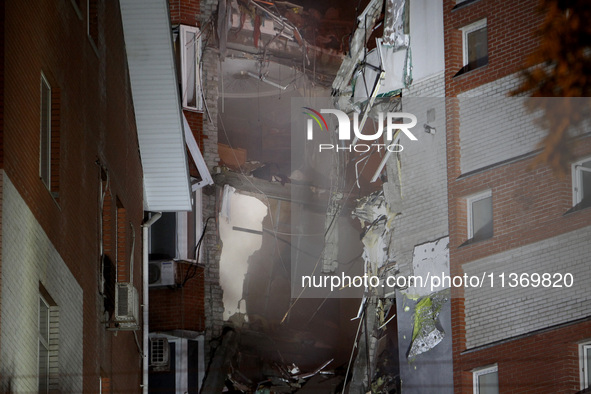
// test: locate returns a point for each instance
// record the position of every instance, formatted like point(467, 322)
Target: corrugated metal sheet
point(148, 41)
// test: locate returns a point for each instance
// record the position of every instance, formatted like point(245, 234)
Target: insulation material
point(225, 212)
point(394, 23)
point(427, 332)
point(377, 220)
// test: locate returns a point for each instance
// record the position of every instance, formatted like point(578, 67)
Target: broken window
point(486, 380)
point(582, 183)
point(480, 218)
point(190, 50)
point(475, 46)
point(585, 364)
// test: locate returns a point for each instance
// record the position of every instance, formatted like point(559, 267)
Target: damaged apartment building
point(185, 198)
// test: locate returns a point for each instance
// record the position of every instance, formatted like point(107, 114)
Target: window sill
point(466, 70)
point(473, 241)
point(579, 207)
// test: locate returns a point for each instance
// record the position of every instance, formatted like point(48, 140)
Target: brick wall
point(29, 258)
point(185, 12)
point(493, 127)
point(496, 313)
point(511, 30)
point(97, 123)
point(182, 307)
point(529, 212)
point(546, 362)
point(418, 193)
point(214, 307)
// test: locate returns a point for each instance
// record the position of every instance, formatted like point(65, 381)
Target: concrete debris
point(281, 379)
point(377, 222)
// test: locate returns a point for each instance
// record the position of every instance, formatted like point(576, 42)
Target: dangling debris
point(427, 332)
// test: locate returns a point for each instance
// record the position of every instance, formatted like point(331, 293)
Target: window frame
point(92, 25)
point(584, 349)
point(183, 29)
point(467, 30)
point(577, 179)
point(469, 202)
point(478, 372)
point(45, 343)
point(45, 134)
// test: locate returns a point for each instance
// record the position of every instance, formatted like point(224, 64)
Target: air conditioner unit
point(162, 273)
point(126, 307)
point(159, 354)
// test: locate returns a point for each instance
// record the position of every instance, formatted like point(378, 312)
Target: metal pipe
point(145, 287)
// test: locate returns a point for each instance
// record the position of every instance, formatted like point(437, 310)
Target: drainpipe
point(145, 286)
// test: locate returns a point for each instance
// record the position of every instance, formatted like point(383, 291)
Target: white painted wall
point(246, 212)
point(426, 38)
point(28, 257)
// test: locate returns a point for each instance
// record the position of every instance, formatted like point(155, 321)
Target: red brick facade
point(529, 205)
point(511, 38)
point(94, 119)
point(179, 308)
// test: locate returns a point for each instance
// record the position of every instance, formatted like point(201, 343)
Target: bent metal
point(344, 131)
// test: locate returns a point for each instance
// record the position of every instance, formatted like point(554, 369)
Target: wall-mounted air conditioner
point(162, 273)
point(159, 354)
point(126, 307)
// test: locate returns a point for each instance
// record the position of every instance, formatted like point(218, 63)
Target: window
point(190, 48)
point(480, 218)
point(49, 136)
point(582, 183)
point(474, 46)
point(486, 380)
point(121, 233)
point(45, 148)
point(92, 22)
point(47, 352)
point(585, 364)
point(43, 345)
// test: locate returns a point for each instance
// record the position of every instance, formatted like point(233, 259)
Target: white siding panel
point(154, 85)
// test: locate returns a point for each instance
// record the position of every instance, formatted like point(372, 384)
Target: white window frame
point(45, 136)
point(584, 349)
point(467, 30)
point(478, 372)
point(43, 342)
point(184, 72)
point(577, 175)
point(471, 200)
point(181, 360)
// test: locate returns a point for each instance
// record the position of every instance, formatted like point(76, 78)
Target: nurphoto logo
point(395, 125)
